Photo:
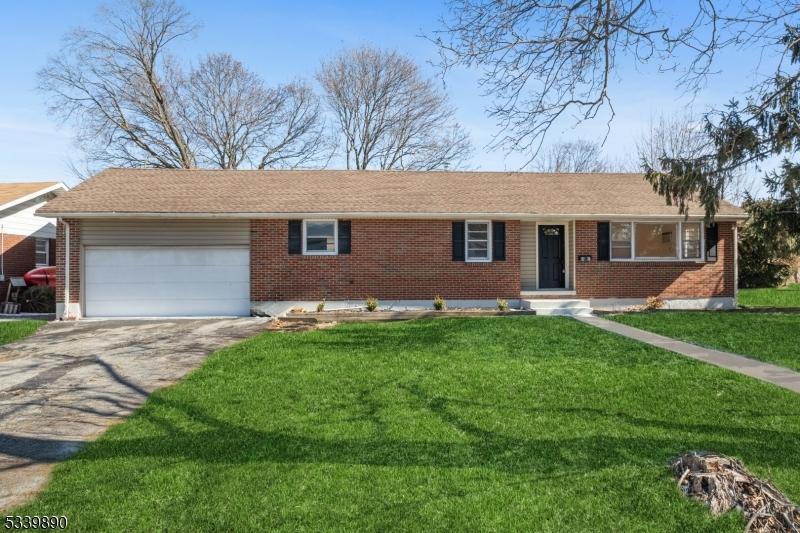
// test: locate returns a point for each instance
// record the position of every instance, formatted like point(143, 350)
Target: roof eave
point(35, 194)
point(379, 214)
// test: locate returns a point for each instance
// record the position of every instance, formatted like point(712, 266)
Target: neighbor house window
point(656, 241)
point(691, 239)
point(319, 237)
point(621, 240)
point(42, 252)
point(478, 241)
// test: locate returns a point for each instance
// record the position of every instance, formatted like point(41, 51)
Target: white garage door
point(167, 281)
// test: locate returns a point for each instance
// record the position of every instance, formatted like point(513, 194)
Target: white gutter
point(384, 215)
point(66, 269)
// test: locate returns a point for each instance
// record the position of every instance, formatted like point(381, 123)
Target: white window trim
point(678, 258)
point(335, 237)
point(702, 257)
point(489, 239)
point(611, 241)
point(46, 252)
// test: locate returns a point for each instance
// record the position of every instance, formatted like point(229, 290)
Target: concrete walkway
point(777, 375)
point(69, 381)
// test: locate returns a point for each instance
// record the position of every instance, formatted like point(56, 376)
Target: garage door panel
point(138, 291)
point(166, 281)
point(180, 308)
point(164, 274)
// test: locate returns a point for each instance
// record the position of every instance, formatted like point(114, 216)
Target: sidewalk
point(777, 375)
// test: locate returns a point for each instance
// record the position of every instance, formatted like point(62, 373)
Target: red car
point(43, 276)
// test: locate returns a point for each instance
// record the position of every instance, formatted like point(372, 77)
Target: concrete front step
point(558, 307)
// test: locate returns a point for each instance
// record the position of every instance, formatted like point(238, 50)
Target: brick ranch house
point(137, 242)
point(27, 241)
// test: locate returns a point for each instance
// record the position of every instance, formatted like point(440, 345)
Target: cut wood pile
point(722, 483)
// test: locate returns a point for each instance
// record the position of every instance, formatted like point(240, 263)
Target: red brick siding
point(19, 256)
point(74, 261)
point(390, 259)
point(608, 279)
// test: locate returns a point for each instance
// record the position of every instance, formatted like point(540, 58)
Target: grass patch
point(788, 296)
point(771, 337)
point(529, 423)
point(14, 330)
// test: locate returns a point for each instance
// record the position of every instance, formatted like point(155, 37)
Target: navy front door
point(551, 257)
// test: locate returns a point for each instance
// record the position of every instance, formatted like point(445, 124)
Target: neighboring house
point(214, 242)
point(27, 240)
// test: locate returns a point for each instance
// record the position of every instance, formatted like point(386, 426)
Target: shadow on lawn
point(598, 440)
point(225, 442)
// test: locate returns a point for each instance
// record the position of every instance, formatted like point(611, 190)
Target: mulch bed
point(360, 315)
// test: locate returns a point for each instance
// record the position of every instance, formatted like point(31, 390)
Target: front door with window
point(551, 257)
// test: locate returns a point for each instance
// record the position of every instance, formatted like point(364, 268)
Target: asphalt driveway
point(69, 381)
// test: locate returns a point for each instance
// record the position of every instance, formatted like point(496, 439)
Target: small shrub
point(439, 303)
point(372, 304)
point(652, 303)
point(321, 306)
point(38, 299)
point(502, 304)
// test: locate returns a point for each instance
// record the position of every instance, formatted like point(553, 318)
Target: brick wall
point(19, 256)
point(390, 259)
point(669, 279)
point(74, 256)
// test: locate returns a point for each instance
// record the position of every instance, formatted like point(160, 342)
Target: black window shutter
point(603, 241)
point(498, 241)
point(344, 236)
point(712, 237)
point(295, 236)
point(458, 240)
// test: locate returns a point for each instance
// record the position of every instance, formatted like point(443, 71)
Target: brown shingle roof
point(362, 193)
point(10, 192)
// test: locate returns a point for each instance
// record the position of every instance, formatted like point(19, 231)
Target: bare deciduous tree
point(573, 156)
point(388, 116)
point(132, 104)
point(117, 85)
point(237, 121)
point(544, 60)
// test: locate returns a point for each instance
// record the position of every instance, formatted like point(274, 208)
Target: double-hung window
point(478, 241)
point(42, 252)
point(320, 237)
point(692, 240)
point(621, 240)
point(653, 241)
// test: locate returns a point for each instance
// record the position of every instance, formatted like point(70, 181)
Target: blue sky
point(284, 40)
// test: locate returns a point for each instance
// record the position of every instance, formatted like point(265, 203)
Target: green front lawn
point(788, 296)
point(771, 337)
point(14, 330)
point(529, 423)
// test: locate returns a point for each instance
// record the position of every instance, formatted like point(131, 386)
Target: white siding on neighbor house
point(528, 256)
point(143, 232)
point(20, 220)
point(167, 281)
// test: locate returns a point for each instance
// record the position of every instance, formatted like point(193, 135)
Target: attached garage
point(165, 268)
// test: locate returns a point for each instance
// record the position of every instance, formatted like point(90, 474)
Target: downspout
point(66, 270)
point(2, 253)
